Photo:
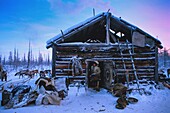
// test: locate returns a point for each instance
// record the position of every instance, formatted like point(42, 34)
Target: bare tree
point(15, 57)
point(4, 61)
point(31, 56)
point(10, 60)
point(28, 65)
point(0, 59)
point(48, 60)
point(24, 59)
point(40, 59)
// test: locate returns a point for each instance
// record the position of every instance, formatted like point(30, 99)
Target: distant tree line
point(27, 60)
point(164, 58)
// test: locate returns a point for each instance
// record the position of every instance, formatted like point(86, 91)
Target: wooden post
point(53, 60)
point(156, 65)
point(108, 27)
point(87, 74)
point(93, 12)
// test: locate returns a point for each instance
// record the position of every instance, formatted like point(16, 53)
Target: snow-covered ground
point(91, 101)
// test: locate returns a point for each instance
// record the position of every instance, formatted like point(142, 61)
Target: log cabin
point(124, 51)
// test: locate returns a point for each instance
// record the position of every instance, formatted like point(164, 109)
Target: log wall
point(144, 58)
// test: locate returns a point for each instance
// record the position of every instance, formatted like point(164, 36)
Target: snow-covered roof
point(74, 28)
point(86, 28)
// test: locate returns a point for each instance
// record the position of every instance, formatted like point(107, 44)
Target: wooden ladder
point(124, 64)
point(130, 48)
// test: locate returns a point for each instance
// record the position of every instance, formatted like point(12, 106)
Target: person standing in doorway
point(95, 75)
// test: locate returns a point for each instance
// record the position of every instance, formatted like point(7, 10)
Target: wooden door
point(107, 74)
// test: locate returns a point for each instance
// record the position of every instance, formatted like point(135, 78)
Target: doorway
point(107, 74)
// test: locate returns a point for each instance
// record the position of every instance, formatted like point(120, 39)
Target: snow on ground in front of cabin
point(97, 102)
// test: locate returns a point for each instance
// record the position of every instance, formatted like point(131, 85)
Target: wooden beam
point(138, 70)
point(139, 73)
point(74, 77)
point(112, 35)
point(156, 65)
point(115, 59)
point(53, 60)
point(107, 28)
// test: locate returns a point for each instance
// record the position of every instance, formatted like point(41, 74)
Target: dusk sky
point(40, 20)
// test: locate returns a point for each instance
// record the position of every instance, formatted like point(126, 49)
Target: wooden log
point(145, 67)
point(139, 73)
point(74, 77)
point(148, 76)
point(67, 74)
point(138, 70)
point(115, 59)
point(66, 67)
point(66, 70)
point(107, 28)
point(53, 59)
point(62, 62)
point(156, 65)
point(61, 67)
point(99, 46)
point(90, 45)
